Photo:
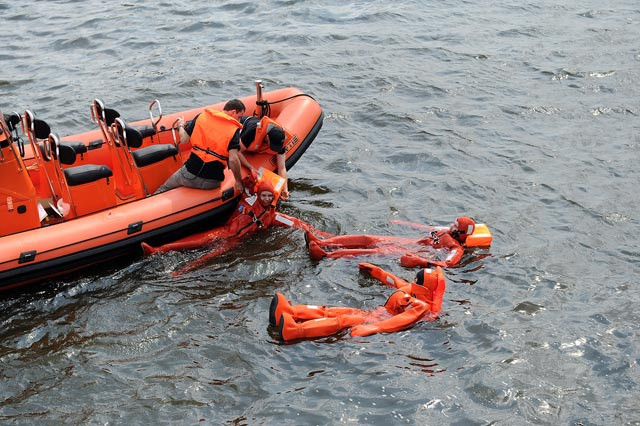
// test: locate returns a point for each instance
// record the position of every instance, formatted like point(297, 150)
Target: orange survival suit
point(248, 217)
point(412, 302)
point(413, 250)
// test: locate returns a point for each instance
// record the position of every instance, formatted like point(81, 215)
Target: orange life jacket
point(259, 143)
point(249, 216)
point(211, 135)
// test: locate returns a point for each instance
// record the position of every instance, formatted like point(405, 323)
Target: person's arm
point(235, 166)
point(383, 276)
point(244, 162)
point(412, 260)
point(416, 311)
point(282, 171)
point(185, 131)
point(184, 136)
point(282, 219)
point(453, 249)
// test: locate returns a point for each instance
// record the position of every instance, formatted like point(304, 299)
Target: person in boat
point(255, 212)
point(215, 141)
point(266, 136)
point(443, 247)
point(410, 303)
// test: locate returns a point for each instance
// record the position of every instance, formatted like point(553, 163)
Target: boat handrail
point(154, 124)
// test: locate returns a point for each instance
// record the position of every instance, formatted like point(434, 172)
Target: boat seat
point(78, 147)
point(67, 153)
point(89, 185)
point(146, 131)
point(84, 174)
point(95, 144)
point(153, 154)
point(11, 121)
point(154, 163)
point(150, 154)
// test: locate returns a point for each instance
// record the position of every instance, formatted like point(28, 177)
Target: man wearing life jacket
point(443, 247)
point(255, 212)
point(215, 141)
point(264, 135)
point(412, 302)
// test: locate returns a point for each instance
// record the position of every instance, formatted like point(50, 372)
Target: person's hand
point(239, 186)
point(284, 195)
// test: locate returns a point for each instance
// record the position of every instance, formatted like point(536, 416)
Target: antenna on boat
point(259, 101)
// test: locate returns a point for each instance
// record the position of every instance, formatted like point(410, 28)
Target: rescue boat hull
point(37, 255)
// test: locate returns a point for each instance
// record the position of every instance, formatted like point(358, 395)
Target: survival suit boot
point(290, 330)
point(279, 305)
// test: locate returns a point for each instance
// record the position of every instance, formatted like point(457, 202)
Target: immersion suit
point(412, 302)
point(249, 216)
point(413, 251)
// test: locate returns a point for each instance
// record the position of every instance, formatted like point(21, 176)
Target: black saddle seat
point(78, 147)
point(87, 173)
point(153, 154)
point(146, 131)
point(69, 150)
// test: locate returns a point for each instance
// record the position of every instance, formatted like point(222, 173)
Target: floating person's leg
point(280, 305)
point(289, 329)
point(225, 246)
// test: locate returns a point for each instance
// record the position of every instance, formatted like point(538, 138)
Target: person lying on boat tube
point(412, 302)
point(264, 135)
point(443, 247)
point(215, 141)
point(256, 211)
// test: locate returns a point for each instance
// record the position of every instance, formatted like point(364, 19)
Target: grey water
point(521, 114)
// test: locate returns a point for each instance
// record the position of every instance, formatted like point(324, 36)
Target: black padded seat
point(69, 150)
point(87, 173)
point(145, 132)
point(95, 145)
point(67, 154)
point(153, 154)
point(78, 147)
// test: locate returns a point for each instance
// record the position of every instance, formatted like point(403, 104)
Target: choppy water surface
point(523, 115)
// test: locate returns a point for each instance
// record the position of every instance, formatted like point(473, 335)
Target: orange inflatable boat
point(79, 200)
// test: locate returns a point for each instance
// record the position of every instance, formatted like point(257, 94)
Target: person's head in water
point(462, 228)
point(429, 287)
point(265, 193)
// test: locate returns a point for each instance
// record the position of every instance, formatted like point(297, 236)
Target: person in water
point(264, 135)
point(412, 250)
point(412, 302)
point(215, 142)
point(255, 212)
